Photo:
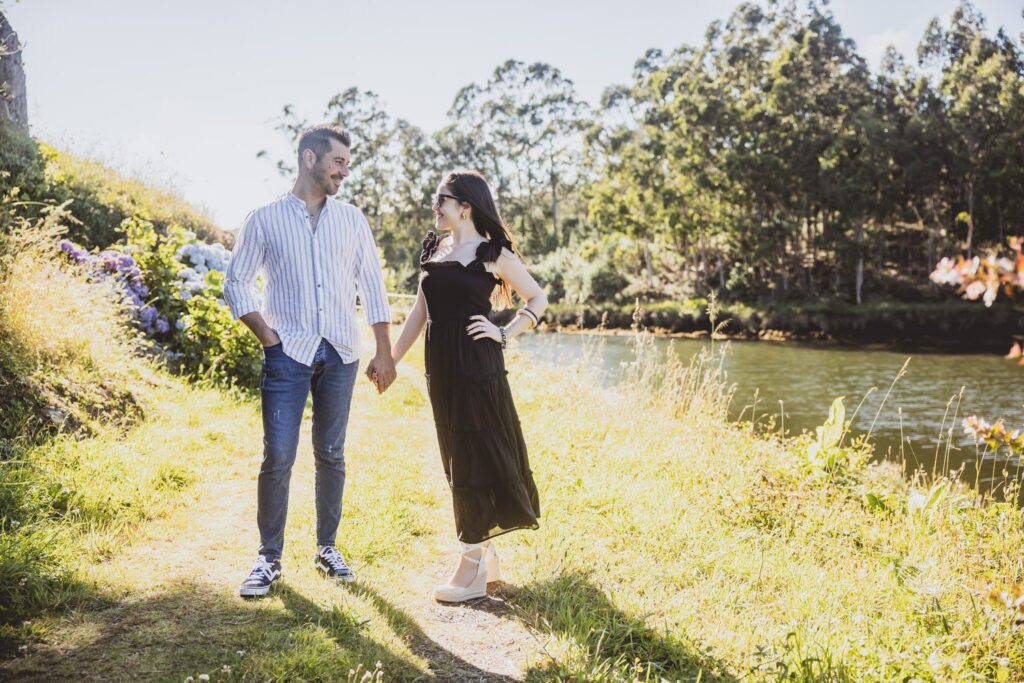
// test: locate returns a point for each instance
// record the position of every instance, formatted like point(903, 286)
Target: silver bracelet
point(504, 338)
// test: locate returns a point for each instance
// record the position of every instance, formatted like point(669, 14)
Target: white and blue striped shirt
point(310, 275)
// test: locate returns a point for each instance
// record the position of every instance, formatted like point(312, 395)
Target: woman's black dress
point(481, 442)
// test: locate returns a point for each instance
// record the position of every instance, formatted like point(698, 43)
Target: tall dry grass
point(68, 358)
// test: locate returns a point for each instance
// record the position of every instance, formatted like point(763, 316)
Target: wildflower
point(204, 677)
point(189, 679)
point(148, 314)
point(974, 290)
point(225, 669)
point(240, 653)
point(916, 501)
point(23, 649)
point(945, 273)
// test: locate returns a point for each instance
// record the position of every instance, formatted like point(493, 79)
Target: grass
point(674, 545)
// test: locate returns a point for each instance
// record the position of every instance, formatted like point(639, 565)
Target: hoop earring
point(462, 216)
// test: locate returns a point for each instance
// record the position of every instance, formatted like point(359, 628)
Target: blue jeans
point(284, 387)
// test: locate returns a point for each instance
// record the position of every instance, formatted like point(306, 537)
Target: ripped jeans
point(285, 385)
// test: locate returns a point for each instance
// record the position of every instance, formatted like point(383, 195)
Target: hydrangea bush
point(122, 268)
point(174, 284)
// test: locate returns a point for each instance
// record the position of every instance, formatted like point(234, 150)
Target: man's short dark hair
point(318, 139)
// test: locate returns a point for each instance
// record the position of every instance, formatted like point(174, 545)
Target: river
point(797, 383)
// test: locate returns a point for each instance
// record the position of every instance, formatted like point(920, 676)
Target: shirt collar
point(299, 204)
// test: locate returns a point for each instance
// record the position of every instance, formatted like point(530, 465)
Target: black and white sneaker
point(330, 562)
point(261, 578)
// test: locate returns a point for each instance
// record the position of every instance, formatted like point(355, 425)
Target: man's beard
point(324, 180)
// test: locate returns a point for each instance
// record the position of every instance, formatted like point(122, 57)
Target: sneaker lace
point(333, 557)
point(264, 569)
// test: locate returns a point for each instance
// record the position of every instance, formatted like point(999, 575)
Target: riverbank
point(714, 551)
point(953, 325)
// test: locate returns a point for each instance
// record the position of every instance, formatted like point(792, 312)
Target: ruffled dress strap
point(430, 243)
point(488, 252)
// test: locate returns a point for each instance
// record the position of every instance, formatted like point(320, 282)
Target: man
point(314, 252)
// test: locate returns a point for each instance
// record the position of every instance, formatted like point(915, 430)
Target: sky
point(184, 94)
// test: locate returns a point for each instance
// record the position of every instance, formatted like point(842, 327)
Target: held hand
point(381, 371)
point(482, 328)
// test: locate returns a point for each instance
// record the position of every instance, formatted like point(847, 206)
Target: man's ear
point(308, 158)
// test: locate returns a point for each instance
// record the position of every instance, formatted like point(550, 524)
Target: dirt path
point(175, 607)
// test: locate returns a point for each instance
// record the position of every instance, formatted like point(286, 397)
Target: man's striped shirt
point(311, 276)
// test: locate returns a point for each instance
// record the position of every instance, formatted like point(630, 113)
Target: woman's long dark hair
point(471, 188)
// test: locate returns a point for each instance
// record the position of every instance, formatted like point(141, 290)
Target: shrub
point(185, 311)
point(98, 200)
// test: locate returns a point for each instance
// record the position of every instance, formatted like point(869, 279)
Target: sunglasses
point(440, 197)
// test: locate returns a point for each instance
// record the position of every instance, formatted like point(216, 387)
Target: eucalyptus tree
point(626, 149)
point(522, 128)
point(981, 85)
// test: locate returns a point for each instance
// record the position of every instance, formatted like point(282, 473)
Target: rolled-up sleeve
point(370, 277)
point(240, 291)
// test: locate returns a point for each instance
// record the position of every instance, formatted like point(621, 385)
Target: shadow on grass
point(571, 607)
point(446, 665)
point(195, 629)
point(33, 582)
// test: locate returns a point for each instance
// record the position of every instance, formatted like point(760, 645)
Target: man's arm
point(240, 280)
point(373, 293)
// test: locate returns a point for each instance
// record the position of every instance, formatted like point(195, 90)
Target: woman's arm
point(412, 327)
point(511, 270)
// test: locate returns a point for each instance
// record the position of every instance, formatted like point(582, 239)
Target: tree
point(522, 128)
point(983, 105)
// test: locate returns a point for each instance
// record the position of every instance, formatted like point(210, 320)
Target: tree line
point(769, 163)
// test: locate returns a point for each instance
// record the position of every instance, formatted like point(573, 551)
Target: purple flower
point(148, 314)
point(162, 326)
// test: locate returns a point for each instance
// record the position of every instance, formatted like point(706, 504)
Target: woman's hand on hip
point(482, 328)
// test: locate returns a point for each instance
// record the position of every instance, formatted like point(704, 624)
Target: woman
point(481, 443)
